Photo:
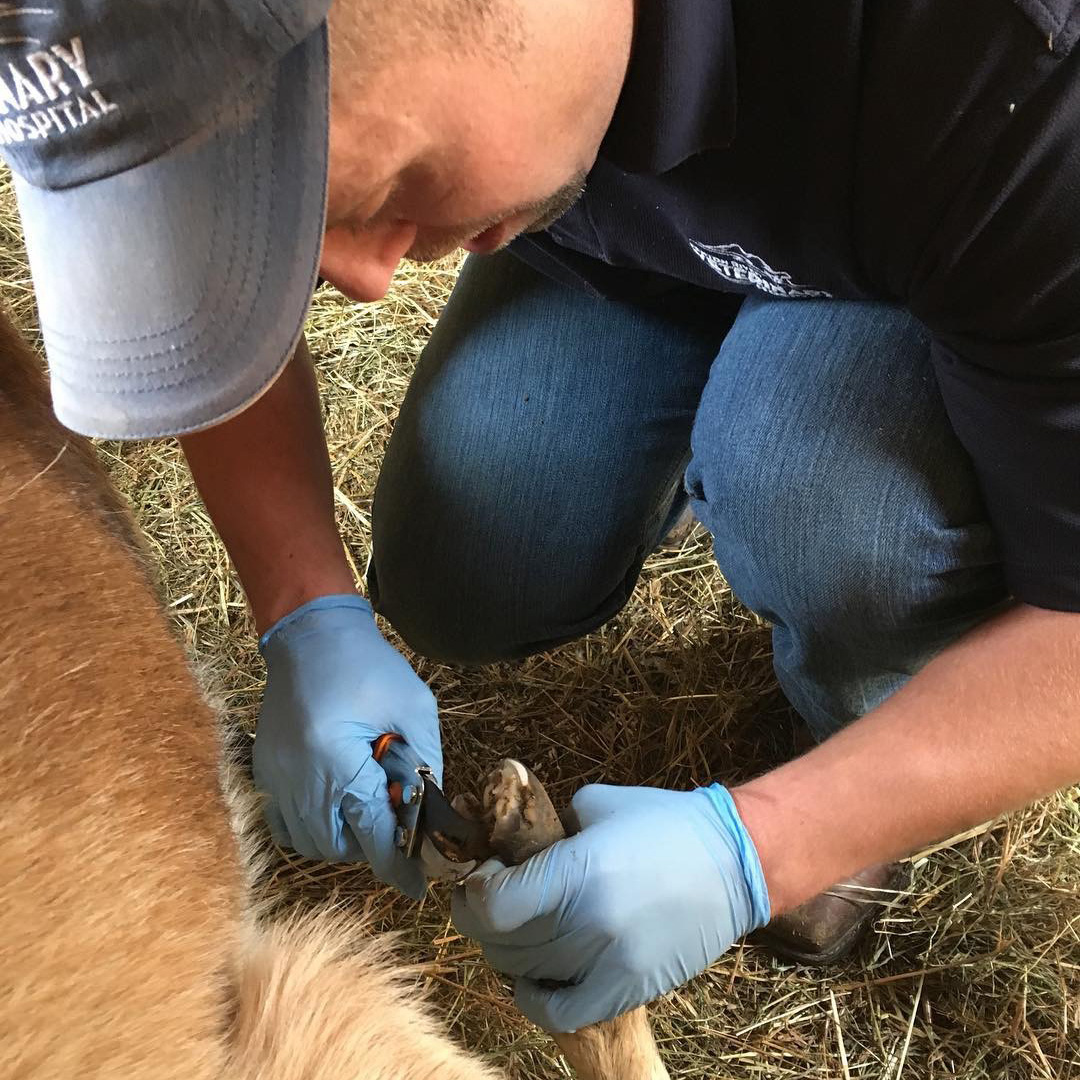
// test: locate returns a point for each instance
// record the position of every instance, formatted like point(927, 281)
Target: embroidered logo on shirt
point(739, 267)
point(50, 91)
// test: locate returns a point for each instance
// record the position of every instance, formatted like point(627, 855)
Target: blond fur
point(130, 945)
point(623, 1047)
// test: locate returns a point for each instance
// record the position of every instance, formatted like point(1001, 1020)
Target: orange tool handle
point(378, 751)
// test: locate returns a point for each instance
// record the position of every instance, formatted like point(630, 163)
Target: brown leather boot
point(827, 927)
point(680, 531)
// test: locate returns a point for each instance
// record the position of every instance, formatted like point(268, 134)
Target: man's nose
point(361, 262)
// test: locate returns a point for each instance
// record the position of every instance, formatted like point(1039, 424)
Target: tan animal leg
point(524, 822)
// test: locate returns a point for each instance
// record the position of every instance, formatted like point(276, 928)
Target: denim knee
point(861, 591)
point(480, 595)
point(839, 560)
point(537, 454)
point(423, 595)
point(842, 506)
point(536, 457)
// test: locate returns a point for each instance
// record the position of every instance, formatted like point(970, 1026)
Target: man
point(841, 246)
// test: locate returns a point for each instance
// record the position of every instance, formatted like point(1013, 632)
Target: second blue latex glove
point(333, 685)
point(654, 888)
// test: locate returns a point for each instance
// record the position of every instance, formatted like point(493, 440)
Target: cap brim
point(172, 295)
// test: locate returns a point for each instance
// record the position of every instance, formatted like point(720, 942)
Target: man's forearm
point(986, 727)
point(265, 478)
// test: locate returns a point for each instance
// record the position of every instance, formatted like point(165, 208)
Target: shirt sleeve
point(1021, 426)
point(998, 286)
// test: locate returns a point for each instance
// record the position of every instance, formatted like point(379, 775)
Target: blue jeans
point(548, 439)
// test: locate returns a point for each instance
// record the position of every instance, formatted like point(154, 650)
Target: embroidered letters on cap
point(48, 94)
point(91, 88)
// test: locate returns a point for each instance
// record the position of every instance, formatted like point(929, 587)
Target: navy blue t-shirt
point(925, 152)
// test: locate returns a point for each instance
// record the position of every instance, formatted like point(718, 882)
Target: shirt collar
point(679, 95)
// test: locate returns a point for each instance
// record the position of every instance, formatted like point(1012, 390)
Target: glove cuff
point(321, 603)
point(758, 891)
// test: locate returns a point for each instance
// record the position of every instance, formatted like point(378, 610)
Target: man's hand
point(333, 685)
point(655, 886)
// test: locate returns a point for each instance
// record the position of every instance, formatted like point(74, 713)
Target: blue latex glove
point(655, 886)
point(334, 684)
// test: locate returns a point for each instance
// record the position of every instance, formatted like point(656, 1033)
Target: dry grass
point(975, 974)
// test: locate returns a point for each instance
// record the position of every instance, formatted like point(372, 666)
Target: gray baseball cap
point(170, 169)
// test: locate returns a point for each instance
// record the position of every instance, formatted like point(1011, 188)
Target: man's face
point(446, 151)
